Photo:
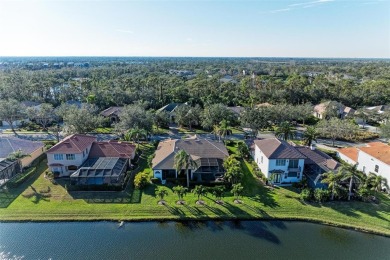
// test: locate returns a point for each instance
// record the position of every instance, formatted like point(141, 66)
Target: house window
point(293, 163)
point(58, 157)
point(83, 154)
point(261, 159)
point(292, 174)
point(376, 168)
point(70, 157)
point(280, 162)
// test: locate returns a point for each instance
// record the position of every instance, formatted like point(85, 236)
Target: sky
point(214, 28)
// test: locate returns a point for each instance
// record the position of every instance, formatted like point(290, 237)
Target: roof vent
point(312, 147)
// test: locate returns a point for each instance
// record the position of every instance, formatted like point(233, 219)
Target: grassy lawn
point(39, 199)
point(104, 130)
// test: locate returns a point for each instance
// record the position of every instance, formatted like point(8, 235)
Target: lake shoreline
point(165, 219)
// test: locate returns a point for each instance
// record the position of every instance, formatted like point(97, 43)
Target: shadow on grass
point(236, 211)
point(9, 195)
point(175, 211)
point(37, 195)
point(265, 196)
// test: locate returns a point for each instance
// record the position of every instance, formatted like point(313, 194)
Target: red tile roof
point(378, 150)
point(350, 152)
point(76, 143)
point(112, 149)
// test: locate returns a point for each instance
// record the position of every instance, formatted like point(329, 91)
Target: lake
point(189, 240)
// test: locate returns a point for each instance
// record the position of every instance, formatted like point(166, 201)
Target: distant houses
point(207, 154)
point(332, 108)
point(171, 110)
point(374, 157)
point(112, 113)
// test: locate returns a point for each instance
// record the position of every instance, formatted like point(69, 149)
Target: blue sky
point(287, 28)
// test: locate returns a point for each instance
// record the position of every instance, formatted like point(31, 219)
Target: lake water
point(190, 240)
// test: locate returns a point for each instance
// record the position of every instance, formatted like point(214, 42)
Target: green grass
point(40, 200)
point(104, 130)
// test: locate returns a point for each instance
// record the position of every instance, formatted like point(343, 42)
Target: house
point(374, 157)
point(207, 154)
point(112, 113)
point(170, 109)
point(279, 160)
point(316, 163)
point(87, 161)
point(10, 145)
point(237, 110)
point(98, 171)
point(339, 110)
point(68, 155)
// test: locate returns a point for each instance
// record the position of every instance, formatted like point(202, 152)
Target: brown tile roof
point(318, 157)
point(76, 143)
point(112, 149)
point(378, 150)
point(274, 148)
point(350, 152)
point(197, 148)
point(111, 111)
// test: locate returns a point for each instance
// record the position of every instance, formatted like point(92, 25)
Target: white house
point(348, 155)
point(279, 160)
point(374, 157)
point(68, 155)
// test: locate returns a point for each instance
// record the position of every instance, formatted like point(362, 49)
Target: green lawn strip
point(104, 130)
point(259, 202)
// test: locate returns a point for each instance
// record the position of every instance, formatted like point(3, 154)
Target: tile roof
point(170, 107)
point(112, 149)
point(274, 148)
point(378, 150)
point(12, 144)
point(237, 109)
point(196, 147)
point(318, 157)
point(350, 152)
point(76, 143)
point(111, 111)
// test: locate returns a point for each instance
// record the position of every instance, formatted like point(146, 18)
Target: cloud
point(280, 10)
point(300, 6)
point(313, 3)
point(124, 31)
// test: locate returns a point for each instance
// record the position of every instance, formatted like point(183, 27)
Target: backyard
point(38, 199)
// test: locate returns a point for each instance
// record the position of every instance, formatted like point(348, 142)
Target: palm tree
point(218, 192)
point(217, 132)
point(377, 182)
point(184, 160)
point(333, 180)
point(181, 192)
point(352, 174)
point(200, 191)
point(237, 190)
point(310, 135)
point(161, 192)
point(135, 134)
point(224, 128)
point(285, 131)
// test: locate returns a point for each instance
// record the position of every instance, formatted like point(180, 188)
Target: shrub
point(306, 194)
point(141, 180)
point(321, 195)
point(20, 178)
point(363, 194)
